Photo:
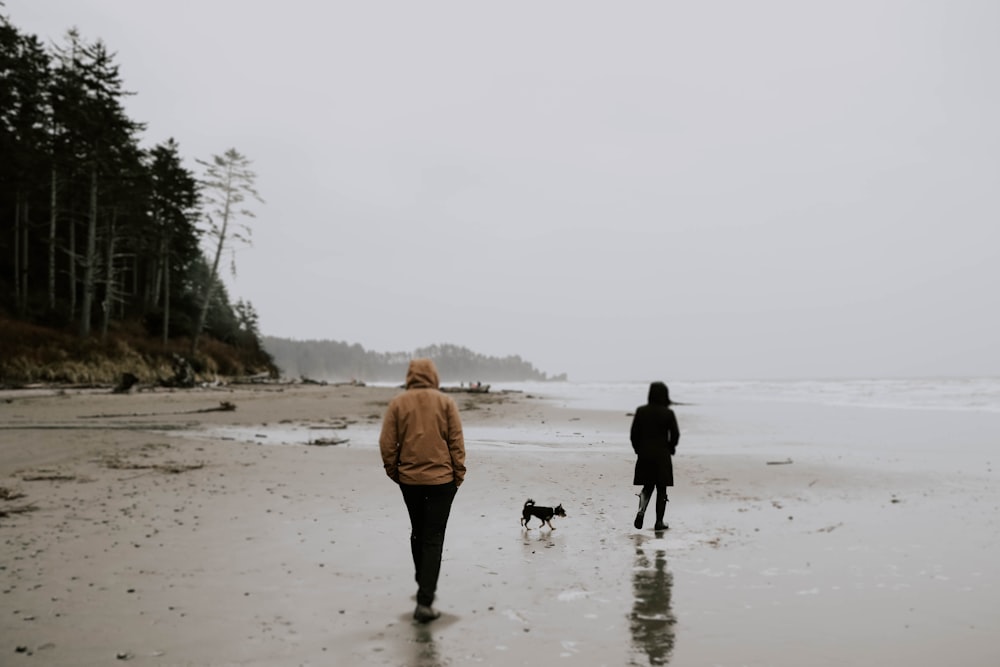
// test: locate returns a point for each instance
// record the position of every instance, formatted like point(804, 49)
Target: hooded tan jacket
point(421, 439)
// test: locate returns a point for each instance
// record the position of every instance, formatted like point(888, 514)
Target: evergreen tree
point(173, 238)
point(88, 110)
point(228, 183)
point(24, 72)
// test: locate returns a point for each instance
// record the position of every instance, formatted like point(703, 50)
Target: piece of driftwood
point(175, 468)
point(17, 509)
point(779, 463)
point(326, 442)
point(471, 389)
point(168, 468)
point(125, 384)
point(10, 494)
point(224, 406)
point(47, 477)
point(184, 375)
point(118, 463)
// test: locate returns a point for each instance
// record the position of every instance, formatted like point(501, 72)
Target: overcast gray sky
point(615, 190)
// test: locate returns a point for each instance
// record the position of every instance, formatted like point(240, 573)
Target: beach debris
point(472, 388)
point(779, 463)
point(350, 383)
point(183, 377)
point(174, 468)
point(338, 423)
point(830, 529)
point(116, 462)
point(17, 509)
point(256, 378)
point(224, 406)
point(10, 494)
point(47, 476)
point(125, 384)
point(326, 442)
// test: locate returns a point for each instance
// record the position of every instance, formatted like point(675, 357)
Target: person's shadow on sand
point(652, 620)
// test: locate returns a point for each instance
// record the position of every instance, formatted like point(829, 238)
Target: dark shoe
point(424, 614)
point(660, 526)
point(638, 520)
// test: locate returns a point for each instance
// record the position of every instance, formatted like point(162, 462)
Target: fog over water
point(617, 191)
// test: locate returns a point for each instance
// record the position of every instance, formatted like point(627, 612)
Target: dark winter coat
point(654, 436)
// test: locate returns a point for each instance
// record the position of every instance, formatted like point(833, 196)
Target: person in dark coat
point(654, 436)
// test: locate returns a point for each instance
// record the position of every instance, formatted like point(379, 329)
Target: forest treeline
point(102, 237)
point(103, 269)
point(336, 361)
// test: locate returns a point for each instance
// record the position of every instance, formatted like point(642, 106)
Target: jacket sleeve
point(634, 433)
point(456, 443)
point(388, 444)
point(675, 433)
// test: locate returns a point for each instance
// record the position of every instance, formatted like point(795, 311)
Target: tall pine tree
point(227, 184)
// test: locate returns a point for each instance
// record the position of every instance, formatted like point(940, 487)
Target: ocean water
point(946, 394)
point(922, 422)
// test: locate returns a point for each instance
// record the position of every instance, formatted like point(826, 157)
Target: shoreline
point(173, 550)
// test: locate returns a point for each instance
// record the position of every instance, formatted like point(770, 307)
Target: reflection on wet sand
point(425, 653)
point(651, 621)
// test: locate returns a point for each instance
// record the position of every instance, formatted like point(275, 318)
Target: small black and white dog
point(543, 513)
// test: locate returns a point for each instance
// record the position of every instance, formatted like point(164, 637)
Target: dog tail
point(529, 502)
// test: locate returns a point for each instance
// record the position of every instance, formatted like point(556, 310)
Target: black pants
point(429, 507)
point(661, 491)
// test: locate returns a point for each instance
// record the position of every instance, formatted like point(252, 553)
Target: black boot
point(661, 508)
point(643, 501)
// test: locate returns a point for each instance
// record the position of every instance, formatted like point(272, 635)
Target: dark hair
point(659, 394)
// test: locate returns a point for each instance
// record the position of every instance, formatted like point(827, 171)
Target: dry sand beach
point(153, 529)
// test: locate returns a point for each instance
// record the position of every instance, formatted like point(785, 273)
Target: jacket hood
point(422, 374)
point(659, 394)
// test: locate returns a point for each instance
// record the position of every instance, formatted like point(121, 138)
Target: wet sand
point(136, 540)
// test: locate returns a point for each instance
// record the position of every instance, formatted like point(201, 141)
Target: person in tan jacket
point(423, 451)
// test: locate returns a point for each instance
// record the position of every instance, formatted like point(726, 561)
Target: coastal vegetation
point(331, 360)
point(101, 264)
point(110, 251)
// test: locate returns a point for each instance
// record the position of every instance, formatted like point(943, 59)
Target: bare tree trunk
point(110, 289)
point(17, 251)
point(135, 282)
point(229, 181)
point(166, 298)
point(53, 217)
point(72, 269)
point(210, 289)
point(90, 258)
point(151, 283)
point(154, 282)
point(25, 237)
